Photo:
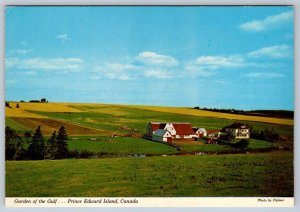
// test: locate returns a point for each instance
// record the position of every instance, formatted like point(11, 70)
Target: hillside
point(107, 119)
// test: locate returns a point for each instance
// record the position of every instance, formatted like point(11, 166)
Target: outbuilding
point(162, 135)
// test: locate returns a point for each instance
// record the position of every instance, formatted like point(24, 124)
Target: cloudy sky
point(225, 57)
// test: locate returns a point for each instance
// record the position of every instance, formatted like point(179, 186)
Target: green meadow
point(241, 175)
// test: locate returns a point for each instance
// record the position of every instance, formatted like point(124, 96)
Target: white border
point(149, 202)
point(295, 3)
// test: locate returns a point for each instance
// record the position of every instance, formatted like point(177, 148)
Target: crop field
point(244, 175)
point(118, 119)
point(203, 113)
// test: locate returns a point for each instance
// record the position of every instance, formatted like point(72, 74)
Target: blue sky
point(225, 57)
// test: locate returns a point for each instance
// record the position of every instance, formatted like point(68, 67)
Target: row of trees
point(34, 147)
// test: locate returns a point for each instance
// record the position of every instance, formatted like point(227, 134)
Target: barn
point(176, 130)
point(162, 135)
point(184, 131)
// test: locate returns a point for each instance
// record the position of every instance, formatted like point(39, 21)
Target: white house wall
point(170, 128)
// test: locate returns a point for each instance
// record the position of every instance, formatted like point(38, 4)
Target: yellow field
point(47, 107)
point(15, 112)
point(114, 109)
point(203, 113)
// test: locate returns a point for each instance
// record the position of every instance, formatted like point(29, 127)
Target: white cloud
point(115, 71)
point(23, 51)
point(267, 23)
point(158, 74)
point(62, 37)
point(59, 64)
point(207, 65)
point(199, 70)
point(264, 75)
point(121, 67)
point(152, 58)
point(216, 62)
point(282, 51)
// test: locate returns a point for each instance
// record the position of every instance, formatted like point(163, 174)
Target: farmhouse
point(200, 132)
point(237, 130)
point(176, 130)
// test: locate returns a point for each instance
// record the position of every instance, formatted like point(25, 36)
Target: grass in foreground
point(245, 175)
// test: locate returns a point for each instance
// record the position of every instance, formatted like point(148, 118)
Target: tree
point(43, 100)
point(51, 147)
point(36, 148)
point(62, 145)
point(17, 106)
point(14, 145)
point(242, 144)
point(7, 104)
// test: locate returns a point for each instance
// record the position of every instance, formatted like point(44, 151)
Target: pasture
point(119, 146)
point(242, 175)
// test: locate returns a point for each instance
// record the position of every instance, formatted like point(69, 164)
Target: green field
point(121, 145)
point(244, 175)
point(115, 118)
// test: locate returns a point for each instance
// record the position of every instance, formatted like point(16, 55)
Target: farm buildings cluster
point(167, 132)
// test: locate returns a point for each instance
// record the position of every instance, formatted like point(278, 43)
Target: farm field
point(243, 175)
point(130, 145)
point(120, 119)
point(200, 146)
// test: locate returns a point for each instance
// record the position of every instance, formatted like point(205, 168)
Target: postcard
point(149, 106)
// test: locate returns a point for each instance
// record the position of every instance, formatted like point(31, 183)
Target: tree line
point(34, 147)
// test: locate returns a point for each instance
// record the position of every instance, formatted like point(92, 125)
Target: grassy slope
point(267, 174)
point(113, 118)
point(125, 145)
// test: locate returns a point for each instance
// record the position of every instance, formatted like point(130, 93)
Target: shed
point(162, 135)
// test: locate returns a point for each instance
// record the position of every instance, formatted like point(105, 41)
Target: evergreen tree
point(36, 148)
point(14, 145)
point(62, 145)
point(51, 147)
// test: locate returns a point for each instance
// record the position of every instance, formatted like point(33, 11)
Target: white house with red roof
point(176, 130)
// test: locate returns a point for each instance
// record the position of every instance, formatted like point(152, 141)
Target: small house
point(200, 132)
point(162, 135)
point(215, 134)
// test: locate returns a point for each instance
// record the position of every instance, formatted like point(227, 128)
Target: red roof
point(155, 126)
point(183, 129)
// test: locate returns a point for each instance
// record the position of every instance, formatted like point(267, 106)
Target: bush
point(85, 154)
point(242, 144)
point(73, 154)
